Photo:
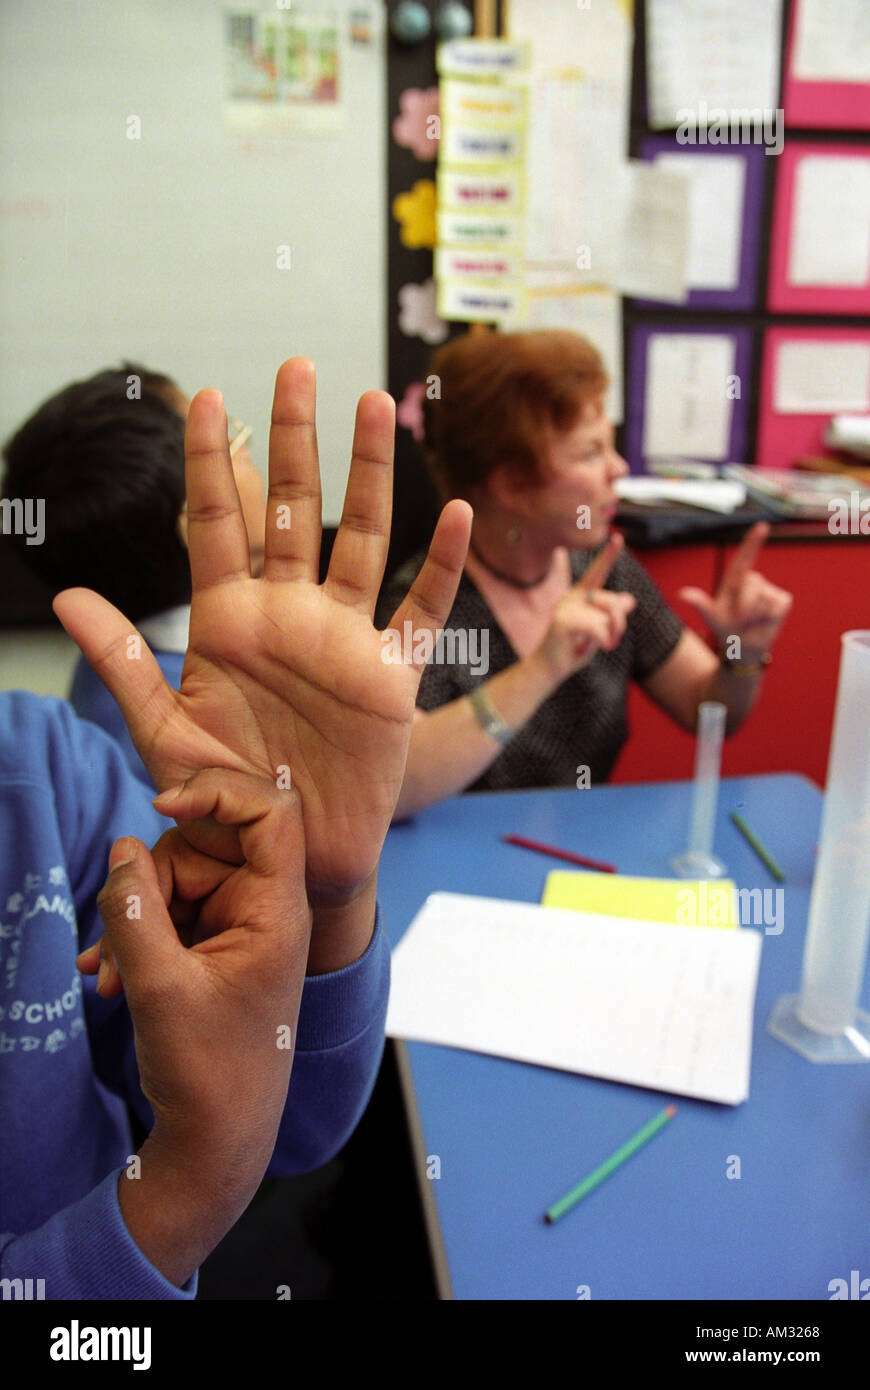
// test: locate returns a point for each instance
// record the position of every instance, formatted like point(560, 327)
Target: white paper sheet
point(595, 314)
point(717, 495)
point(723, 54)
point(655, 252)
point(640, 1002)
point(832, 41)
point(820, 378)
point(830, 235)
point(578, 130)
point(687, 410)
point(716, 191)
point(575, 175)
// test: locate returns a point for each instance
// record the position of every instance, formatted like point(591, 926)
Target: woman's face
point(575, 500)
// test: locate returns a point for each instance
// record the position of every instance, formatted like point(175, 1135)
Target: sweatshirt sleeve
point(87, 1248)
point(339, 1044)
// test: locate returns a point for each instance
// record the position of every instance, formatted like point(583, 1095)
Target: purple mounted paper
point(686, 393)
point(725, 207)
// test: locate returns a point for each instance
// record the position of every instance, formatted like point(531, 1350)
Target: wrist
point(181, 1205)
point(544, 675)
point(342, 928)
point(751, 662)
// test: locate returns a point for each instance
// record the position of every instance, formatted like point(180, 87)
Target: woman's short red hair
point(496, 393)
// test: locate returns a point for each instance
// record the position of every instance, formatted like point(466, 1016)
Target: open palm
point(283, 675)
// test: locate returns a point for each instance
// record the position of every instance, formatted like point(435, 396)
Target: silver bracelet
point(488, 716)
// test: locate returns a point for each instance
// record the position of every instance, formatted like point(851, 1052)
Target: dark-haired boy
point(106, 458)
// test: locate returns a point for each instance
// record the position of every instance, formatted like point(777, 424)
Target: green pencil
point(764, 855)
point(610, 1164)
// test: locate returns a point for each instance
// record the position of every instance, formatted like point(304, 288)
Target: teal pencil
point(764, 854)
point(610, 1164)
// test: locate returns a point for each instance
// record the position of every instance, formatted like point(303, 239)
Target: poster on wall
point(282, 69)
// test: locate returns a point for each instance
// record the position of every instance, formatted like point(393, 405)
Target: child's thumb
point(139, 930)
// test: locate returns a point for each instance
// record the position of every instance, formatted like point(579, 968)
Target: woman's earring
point(514, 534)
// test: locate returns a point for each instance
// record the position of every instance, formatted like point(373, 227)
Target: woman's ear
point(181, 526)
point(507, 488)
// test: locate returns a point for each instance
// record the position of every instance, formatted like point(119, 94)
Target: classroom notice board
point(147, 214)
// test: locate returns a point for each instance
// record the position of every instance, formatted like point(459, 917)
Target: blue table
point(511, 1138)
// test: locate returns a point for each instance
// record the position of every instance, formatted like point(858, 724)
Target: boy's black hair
point(111, 471)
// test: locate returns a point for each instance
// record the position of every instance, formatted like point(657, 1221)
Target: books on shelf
point(791, 492)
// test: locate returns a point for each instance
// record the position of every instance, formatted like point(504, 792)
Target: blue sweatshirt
point(67, 1060)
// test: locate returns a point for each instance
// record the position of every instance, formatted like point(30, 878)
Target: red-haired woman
point(553, 618)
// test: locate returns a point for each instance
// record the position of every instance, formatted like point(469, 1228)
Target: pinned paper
point(687, 408)
point(716, 196)
point(492, 58)
point(830, 237)
point(722, 55)
point(475, 302)
point(655, 259)
point(821, 378)
point(460, 190)
point(493, 230)
point(832, 41)
point(470, 144)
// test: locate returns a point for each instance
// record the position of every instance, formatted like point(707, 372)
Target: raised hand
point(280, 672)
point(588, 617)
point(746, 605)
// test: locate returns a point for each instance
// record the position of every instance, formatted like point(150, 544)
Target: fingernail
point(120, 865)
point(169, 793)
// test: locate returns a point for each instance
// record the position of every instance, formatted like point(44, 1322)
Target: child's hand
point(282, 672)
point(214, 1022)
point(213, 984)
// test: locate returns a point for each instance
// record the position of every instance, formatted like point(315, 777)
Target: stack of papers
point(647, 1003)
point(792, 493)
point(715, 494)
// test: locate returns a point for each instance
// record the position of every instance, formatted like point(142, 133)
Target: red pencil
point(560, 854)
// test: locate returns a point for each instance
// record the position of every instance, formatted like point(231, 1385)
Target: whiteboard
point(164, 248)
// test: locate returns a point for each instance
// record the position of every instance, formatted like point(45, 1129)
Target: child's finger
point(267, 815)
point(430, 598)
point(141, 945)
point(121, 658)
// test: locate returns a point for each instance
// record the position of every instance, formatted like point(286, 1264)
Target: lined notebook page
point(669, 1007)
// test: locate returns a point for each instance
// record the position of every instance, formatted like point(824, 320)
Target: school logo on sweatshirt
point(75, 1343)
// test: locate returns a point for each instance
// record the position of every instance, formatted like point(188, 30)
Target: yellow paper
point(684, 902)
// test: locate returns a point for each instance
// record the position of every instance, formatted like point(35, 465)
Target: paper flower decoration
point(414, 128)
point(409, 411)
point(415, 213)
point(417, 315)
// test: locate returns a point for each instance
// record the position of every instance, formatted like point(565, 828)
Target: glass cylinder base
point(694, 864)
point(851, 1045)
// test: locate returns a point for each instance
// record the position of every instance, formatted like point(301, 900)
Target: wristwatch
point(488, 716)
point(745, 668)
